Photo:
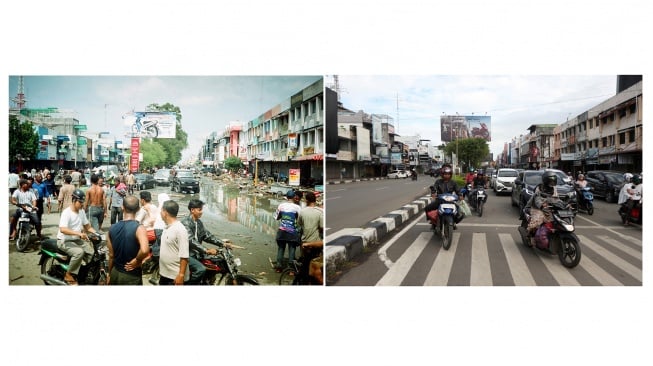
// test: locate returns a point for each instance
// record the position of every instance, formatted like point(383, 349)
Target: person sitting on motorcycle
point(72, 238)
point(196, 235)
point(444, 185)
point(626, 189)
point(478, 182)
point(469, 178)
point(23, 196)
point(634, 196)
point(545, 194)
point(580, 181)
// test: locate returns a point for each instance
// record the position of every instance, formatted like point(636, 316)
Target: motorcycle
point(443, 219)
point(147, 128)
point(585, 199)
point(413, 175)
point(555, 237)
point(24, 227)
point(477, 199)
point(54, 263)
point(634, 215)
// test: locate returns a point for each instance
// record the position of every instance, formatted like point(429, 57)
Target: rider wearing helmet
point(444, 185)
point(480, 180)
point(631, 194)
point(544, 194)
point(72, 238)
point(580, 181)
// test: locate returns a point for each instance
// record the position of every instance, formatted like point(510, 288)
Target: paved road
point(487, 251)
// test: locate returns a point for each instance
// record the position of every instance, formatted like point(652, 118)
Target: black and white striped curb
point(343, 245)
point(354, 180)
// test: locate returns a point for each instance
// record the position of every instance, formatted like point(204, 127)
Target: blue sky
point(207, 103)
point(513, 102)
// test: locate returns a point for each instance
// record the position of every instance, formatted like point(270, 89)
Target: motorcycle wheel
point(152, 132)
point(240, 280)
point(49, 267)
point(590, 209)
point(569, 253)
point(446, 237)
point(22, 242)
point(288, 277)
point(480, 208)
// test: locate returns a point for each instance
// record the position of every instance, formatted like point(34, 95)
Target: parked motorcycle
point(477, 199)
point(442, 220)
point(585, 199)
point(555, 237)
point(24, 226)
point(54, 263)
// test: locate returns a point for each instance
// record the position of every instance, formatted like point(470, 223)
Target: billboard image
point(462, 127)
point(161, 125)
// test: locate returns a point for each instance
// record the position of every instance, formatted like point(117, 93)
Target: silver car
point(505, 180)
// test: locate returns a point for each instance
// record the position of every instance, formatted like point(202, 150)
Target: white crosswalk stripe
point(400, 268)
point(480, 272)
point(620, 245)
point(439, 273)
point(616, 260)
point(599, 274)
point(518, 269)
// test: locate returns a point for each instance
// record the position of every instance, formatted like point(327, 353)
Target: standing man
point(65, 197)
point(288, 232)
point(196, 235)
point(96, 203)
point(72, 238)
point(116, 197)
point(23, 196)
point(127, 244)
point(173, 262)
point(13, 181)
point(42, 194)
point(76, 175)
point(311, 220)
point(131, 181)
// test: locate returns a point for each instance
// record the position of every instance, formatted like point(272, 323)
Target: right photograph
point(483, 180)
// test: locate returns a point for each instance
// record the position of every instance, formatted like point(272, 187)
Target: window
point(633, 108)
point(622, 138)
point(611, 140)
point(622, 112)
point(631, 137)
point(604, 141)
point(611, 117)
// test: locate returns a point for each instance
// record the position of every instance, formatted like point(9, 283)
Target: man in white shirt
point(13, 181)
point(173, 262)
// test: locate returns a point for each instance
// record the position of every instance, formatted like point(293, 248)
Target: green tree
point(172, 147)
point(153, 154)
point(470, 151)
point(23, 139)
point(233, 163)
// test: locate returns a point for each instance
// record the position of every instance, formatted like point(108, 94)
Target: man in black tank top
point(128, 246)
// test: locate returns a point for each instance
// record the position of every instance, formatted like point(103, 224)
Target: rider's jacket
point(446, 187)
point(197, 234)
point(479, 182)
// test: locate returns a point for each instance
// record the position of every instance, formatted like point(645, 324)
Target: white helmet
point(628, 177)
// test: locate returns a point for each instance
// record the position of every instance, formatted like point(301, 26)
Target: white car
point(396, 174)
point(505, 180)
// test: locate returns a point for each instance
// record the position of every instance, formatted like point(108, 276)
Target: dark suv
point(185, 181)
point(605, 183)
point(529, 179)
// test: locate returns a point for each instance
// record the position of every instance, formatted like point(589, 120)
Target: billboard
point(462, 127)
point(161, 125)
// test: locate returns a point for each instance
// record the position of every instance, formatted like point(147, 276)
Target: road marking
point(614, 259)
point(441, 268)
point(598, 273)
point(332, 198)
point(609, 228)
point(383, 256)
point(561, 273)
point(399, 270)
point(378, 189)
point(521, 275)
point(480, 275)
point(336, 190)
point(634, 252)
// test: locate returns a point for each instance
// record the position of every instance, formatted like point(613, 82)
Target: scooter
point(555, 237)
point(24, 227)
point(443, 219)
point(585, 199)
point(54, 263)
point(477, 199)
point(634, 215)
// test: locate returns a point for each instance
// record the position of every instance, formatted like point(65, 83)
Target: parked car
point(525, 184)
point(605, 183)
point(185, 181)
point(505, 180)
point(396, 174)
point(162, 177)
point(144, 181)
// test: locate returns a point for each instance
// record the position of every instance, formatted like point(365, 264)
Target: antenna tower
point(20, 96)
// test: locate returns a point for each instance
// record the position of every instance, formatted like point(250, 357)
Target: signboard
point(292, 140)
point(134, 159)
point(461, 127)
point(293, 177)
point(161, 125)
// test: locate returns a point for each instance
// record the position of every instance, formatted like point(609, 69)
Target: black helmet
point(637, 179)
point(78, 195)
point(549, 179)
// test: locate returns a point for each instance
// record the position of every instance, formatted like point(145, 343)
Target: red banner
point(133, 162)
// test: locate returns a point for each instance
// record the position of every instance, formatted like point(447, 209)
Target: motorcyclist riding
point(444, 185)
point(633, 195)
point(544, 194)
point(580, 184)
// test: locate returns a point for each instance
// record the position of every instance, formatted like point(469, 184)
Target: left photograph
point(166, 180)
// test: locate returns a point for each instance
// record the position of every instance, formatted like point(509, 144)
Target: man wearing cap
point(288, 232)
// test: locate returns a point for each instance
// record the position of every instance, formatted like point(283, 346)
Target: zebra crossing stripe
point(560, 273)
point(598, 273)
point(616, 260)
point(521, 275)
point(619, 245)
point(480, 272)
point(441, 268)
point(400, 268)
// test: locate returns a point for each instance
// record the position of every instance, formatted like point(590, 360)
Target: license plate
point(481, 194)
point(566, 213)
point(448, 205)
point(237, 261)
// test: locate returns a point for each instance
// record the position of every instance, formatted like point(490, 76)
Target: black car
point(185, 181)
point(605, 183)
point(144, 181)
point(529, 179)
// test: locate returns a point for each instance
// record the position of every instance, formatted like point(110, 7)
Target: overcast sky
point(513, 102)
point(207, 103)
